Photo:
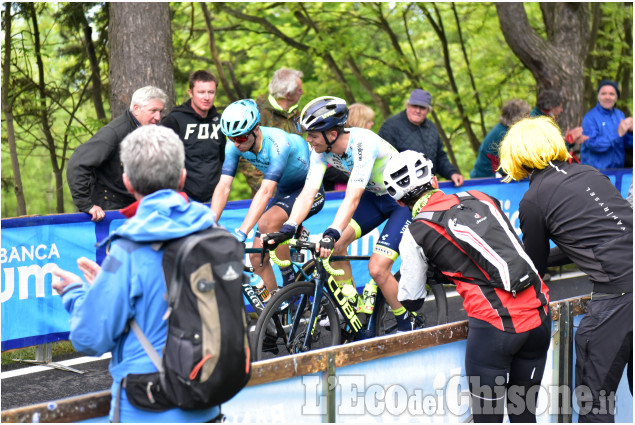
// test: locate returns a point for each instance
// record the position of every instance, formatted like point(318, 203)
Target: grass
point(59, 348)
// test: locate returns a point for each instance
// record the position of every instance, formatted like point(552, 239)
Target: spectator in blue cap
point(610, 133)
point(410, 130)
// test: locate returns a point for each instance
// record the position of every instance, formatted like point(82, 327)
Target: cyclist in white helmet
point(509, 332)
point(362, 155)
point(284, 160)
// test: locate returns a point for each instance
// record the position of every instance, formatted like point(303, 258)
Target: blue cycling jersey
point(283, 158)
point(364, 161)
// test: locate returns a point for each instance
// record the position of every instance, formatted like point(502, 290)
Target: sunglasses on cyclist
point(240, 139)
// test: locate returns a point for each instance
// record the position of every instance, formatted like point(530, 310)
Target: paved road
point(40, 387)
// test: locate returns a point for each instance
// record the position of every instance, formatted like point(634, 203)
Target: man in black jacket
point(410, 130)
point(94, 170)
point(197, 122)
point(578, 208)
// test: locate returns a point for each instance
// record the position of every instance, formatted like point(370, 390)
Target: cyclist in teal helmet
point(284, 160)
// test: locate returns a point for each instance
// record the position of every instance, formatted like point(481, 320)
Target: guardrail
point(321, 368)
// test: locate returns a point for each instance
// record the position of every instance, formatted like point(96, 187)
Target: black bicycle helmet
point(324, 113)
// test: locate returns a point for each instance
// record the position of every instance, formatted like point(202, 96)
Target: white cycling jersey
point(364, 161)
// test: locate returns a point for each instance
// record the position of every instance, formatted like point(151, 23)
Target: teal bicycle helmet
point(239, 118)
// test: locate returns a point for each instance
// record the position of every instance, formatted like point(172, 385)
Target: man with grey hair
point(280, 110)
point(130, 283)
point(410, 130)
point(94, 170)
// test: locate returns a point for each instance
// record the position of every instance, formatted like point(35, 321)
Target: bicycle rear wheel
point(287, 313)
point(431, 316)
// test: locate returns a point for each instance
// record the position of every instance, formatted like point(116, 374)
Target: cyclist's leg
point(386, 252)
point(367, 217)
point(270, 221)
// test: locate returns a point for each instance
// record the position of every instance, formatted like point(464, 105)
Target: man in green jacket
point(280, 110)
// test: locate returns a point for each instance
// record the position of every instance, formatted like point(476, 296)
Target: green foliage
point(14, 356)
point(393, 45)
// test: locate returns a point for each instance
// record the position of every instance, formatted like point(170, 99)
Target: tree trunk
point(229, 91)
point(140, 39)
point(558, 62)
point(7, 109)
point(94, 68)
point(440, 31)
point(590, 97)
point(44, 117)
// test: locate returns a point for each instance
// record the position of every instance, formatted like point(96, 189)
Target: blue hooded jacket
point(131, 284)
point(604, 148)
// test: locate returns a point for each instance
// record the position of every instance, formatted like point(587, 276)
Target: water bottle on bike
point(259, 286)
point(368, 298)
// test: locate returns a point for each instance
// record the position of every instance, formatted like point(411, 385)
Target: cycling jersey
point(363, 161)
point(283, 158)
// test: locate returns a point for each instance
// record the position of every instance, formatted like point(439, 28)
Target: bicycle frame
point(250, 294)
point(324, 285)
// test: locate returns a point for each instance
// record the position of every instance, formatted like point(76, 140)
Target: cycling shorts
point(371, 212)
point(503, 368)
point(285, 200)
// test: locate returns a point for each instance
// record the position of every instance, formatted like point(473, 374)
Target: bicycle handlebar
point(304, 245)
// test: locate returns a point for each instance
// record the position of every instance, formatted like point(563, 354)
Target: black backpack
point(478, 228)
point(206, 358)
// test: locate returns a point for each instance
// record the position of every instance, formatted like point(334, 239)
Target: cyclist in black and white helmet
point(510, 332)
point(362, 155)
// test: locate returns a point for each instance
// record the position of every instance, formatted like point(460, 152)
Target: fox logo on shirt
point(202, 131)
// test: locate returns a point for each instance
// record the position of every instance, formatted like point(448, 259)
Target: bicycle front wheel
point(284, 323)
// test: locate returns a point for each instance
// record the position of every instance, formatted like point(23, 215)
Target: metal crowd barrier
point(324, 364)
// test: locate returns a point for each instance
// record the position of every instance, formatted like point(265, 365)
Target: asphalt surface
point(51, 384)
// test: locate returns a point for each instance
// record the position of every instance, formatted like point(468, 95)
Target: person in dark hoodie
point(197, 122)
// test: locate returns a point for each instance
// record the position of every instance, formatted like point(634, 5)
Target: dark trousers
point(604, 346)
point(505, 369)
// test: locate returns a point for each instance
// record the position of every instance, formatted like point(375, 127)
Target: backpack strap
point(432, 216)
point(147, 346)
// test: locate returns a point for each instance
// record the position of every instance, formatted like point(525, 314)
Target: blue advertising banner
point(32, 313)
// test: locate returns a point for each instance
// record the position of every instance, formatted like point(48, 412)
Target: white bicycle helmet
point(324, 113)
point(407, 173)
point(239, 118)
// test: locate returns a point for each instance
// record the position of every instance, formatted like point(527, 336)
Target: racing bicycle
point(315, 313)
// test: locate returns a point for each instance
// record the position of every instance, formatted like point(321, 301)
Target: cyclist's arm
point(347, 207)
point(228, 171)
point(312, 184)
point(414, 268)
point(221, 194)
point(303, 204)
point(258, 205)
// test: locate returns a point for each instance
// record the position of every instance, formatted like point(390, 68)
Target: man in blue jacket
point(610, 133)
point(130, 283)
